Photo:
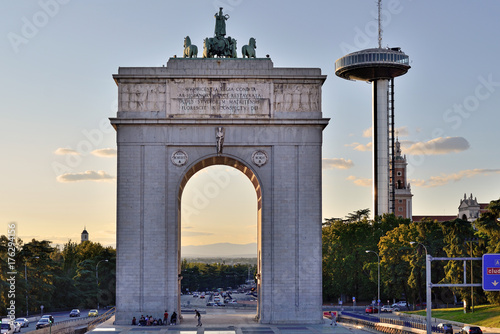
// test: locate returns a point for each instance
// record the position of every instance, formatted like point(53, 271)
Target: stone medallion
point(259, 158)
point(179, 158)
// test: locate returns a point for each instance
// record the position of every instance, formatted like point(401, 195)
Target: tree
point(489, 229)
point(43, 272)
point(455, 232)
point(429, 234)
point(345, 269)
point(395, 261)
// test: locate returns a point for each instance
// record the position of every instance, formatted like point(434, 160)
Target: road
point(190, 302)
point(58, 317)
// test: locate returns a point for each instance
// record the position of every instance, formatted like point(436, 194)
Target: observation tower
point(379, 66)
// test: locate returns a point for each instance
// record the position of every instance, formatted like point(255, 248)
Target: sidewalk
point(227, 323)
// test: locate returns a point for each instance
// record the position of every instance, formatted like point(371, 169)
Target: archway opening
point(220, 208)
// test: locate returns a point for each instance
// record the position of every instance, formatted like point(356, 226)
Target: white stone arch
point(167, 123)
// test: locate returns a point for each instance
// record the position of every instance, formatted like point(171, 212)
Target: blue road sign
point(491, 272)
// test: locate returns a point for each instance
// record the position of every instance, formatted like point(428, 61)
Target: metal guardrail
point(371, 321)
point(102, 318)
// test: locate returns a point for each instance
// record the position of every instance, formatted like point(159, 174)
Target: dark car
point(42, 323)
point(74, 313)
point(447, 328)
point(471, 330)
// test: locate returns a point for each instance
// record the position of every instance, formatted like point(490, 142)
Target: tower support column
point(380, 148)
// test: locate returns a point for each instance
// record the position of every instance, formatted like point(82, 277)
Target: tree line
point(350, 271)
point(36, 273)
point(198, 276)
point(83, 275)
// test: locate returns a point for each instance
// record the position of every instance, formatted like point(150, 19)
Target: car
point(42, 323)
point(6, 327)
point(74, 313)
point(17, 327)
point(371, 309)
point(470, 330)
point(23, 321)
point(93, 313)
point(387, 308)
point(48, 316)
point(446, 328)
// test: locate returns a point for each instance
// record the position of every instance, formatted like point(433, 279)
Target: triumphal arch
point(175, 120)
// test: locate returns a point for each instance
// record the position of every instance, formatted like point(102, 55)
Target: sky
point(58, 170)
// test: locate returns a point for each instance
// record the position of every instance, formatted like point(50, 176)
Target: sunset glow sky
point(59, 151)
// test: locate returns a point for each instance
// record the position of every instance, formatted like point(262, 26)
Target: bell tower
point(402, 190)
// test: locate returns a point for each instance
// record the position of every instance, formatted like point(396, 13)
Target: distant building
point(402, 191)
point(85, 235)
point(469, 210)
point(440, 219)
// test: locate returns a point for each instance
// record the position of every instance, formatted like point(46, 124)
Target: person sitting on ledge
point(173, 318)
point(134, 321)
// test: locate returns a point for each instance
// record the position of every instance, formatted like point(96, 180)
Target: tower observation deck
point(379, 66)
point(373, 64)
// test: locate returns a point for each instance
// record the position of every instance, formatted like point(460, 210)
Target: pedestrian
point(173, 319)
point(334, 318)
point(165, 317)
point(198, 315)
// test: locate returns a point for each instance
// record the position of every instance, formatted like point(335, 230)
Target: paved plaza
point(227, 322)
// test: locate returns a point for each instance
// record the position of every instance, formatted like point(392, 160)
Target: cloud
point(360, 182)
point(105, 152)
point(438, 146)
point(66, 151)
point(367, 133)
point(361, 147)
point(89, 175)
point(443, 179)
point(195, 234)
point(337, 163)
point(402, 131)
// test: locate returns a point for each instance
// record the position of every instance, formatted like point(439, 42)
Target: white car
point(17, 327)
point(400, 304)
point(387, 308)
point(23, 321)
point(6, 327)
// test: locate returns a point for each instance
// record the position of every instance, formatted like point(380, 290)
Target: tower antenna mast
point(379, 24)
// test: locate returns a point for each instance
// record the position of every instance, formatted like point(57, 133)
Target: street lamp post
point(428, 298)
point(97, 280)
point(378, 295)
point(26, 279)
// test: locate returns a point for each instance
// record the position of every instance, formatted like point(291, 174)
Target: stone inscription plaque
point(219, 98)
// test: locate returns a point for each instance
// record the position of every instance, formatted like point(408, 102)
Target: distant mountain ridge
point(223, 249)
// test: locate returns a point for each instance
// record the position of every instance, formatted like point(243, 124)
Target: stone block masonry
point(260, 111)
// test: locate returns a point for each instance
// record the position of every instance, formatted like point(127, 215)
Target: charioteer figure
point(220, 23)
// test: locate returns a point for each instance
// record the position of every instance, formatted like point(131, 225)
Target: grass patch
point(484, 315)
